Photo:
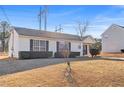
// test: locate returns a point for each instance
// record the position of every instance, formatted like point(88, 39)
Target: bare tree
point(4, 34)
point(65, 53)
point(69, 75)
point(81, 28)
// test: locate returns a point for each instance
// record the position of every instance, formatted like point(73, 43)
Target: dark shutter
point(69, 46)
point(57, 46)
point(31, 44)
point(47, 46)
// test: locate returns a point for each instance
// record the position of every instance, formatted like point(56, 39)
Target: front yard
point(97, 73)
point(119, 55)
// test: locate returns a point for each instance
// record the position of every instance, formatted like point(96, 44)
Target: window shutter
point(47, 46)
point(69, 46)
point(31, 44)
point(57, 46)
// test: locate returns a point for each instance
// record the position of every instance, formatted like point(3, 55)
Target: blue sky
point(99, 17)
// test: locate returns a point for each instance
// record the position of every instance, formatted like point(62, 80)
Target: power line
point(27, 9)
point(12, 47)
point(4, 13)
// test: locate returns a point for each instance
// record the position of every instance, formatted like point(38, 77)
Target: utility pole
point(56, 29)
point(43, 14)
point(59, 28)
point(39, 19)
point(45, 18)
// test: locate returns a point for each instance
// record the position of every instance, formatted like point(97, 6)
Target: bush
point(24, 55)
point(34, 54)
point(122, 50)
point(94, 52)
point(58, 55)
point(72, 55)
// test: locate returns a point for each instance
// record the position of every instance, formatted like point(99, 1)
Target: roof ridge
point(48, 34)
point(118, 25)
point(44, 31)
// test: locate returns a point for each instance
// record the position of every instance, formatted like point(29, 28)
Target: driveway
point(22, 65)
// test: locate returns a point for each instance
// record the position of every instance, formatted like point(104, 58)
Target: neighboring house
point(25, 39)
point(113, 39)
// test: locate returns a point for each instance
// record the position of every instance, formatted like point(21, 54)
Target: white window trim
point(39, 46)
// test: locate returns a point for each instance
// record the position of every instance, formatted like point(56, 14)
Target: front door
point(84, 49)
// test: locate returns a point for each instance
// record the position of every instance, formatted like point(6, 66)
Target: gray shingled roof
point(56, 35)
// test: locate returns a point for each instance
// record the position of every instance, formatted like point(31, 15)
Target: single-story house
point(25, 39)
point(113, 39)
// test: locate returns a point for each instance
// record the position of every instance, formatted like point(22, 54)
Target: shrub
point(94, 52)
point(122, 50)
point(24, 55)
point(72, 55)
point(34, 54)
point(58, 55)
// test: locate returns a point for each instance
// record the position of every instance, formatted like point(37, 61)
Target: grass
point(4, 57)
point(119, 55)
point(94, 73)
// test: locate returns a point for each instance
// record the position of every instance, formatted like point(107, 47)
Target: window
point(39, 45)
point(63, 45)
point(42, 45)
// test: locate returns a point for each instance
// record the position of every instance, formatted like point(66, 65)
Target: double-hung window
point(39, 45)
point(63, 45)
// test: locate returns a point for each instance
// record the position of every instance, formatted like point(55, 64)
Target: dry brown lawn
point(97, 73)
point(3, 57)
point(120, 55)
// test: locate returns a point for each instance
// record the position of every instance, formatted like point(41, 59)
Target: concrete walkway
point(22, 65)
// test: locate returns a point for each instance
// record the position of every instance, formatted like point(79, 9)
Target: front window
point(63, 45)
point(39, 45)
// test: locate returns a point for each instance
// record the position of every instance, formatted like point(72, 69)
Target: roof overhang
point(89, 40)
